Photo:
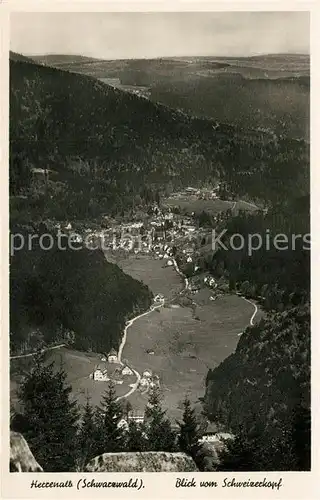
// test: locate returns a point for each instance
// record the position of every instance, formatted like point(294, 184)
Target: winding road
point(186, 281)
point(123, 343)
point(153, 308)
point(243, 201)
point(254, 312)
point(130, 323)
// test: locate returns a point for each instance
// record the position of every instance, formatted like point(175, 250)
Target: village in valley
point(173, 237)
point(167, 232)
point(170, 235)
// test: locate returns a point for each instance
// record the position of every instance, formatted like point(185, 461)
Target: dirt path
point(38, 352)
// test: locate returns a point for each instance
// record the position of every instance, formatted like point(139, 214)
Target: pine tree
point(112, 437)
point(49, 418)
point(137, 439)
point(239, 454)
point(87, 438)
point(189, 431)
point(301, 437)
point(159, 433)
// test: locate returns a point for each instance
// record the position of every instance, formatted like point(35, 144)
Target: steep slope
point(69, 296)
point(14, 56)
point(281, 104)
point(269, 91)
point(99, 146)
point(264, 389)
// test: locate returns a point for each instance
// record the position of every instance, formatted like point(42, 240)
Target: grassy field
point(154, 273)
point(186, 343)
point(185, 347)
point(193, 204)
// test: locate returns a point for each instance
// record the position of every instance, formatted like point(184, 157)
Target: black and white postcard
point(156, 251)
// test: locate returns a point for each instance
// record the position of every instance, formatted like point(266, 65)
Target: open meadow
point(191, 203)
point(186, 345)
point(154, 273)
point(186, 342)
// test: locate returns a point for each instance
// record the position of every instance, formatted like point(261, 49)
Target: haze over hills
point(269, 91)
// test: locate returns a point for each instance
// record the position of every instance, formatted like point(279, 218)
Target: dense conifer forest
point(76, 297)
point(98, 152)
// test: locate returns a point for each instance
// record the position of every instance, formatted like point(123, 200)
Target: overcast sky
point(138, 35)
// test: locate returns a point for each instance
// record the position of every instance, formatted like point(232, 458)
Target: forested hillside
point(270, 91)
point(280, 105)
point(277, 274)
point(102, 149)
point(262, 392)
point(69, 296)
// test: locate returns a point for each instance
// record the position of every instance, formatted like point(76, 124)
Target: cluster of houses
point(215, 437)
point(101, 374)
point(204, 193)
point(148, 381)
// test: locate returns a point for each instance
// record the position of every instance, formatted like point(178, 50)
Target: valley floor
point(184, 343)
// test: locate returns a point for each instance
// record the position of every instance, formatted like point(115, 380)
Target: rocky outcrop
point(149, 461)
point(21, 457)
point(22, 460)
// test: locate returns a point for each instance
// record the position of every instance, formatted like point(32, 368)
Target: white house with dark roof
point(212, 436)
point(144, 382)
point(113, 356)
point(100, 374)
point(126, 371)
